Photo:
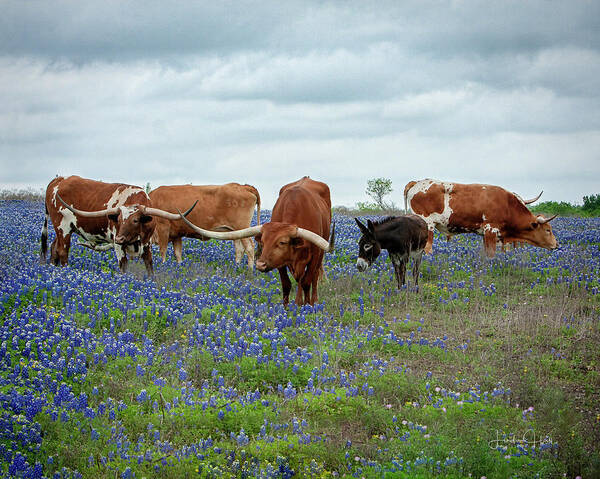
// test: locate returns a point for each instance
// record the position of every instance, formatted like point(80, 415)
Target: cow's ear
point(362, 227)
point(296, 242)
point(145, 219)
point(114, 217)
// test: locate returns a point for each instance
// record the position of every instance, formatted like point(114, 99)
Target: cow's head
point(368, 246)
point(279, 244)
point(539, 233)
point(131, 224)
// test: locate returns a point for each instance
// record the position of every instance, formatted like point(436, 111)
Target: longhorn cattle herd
point(128, 219)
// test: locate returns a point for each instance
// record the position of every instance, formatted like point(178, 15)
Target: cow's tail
point(254, 191)
point(408, 186)
point(44, 238)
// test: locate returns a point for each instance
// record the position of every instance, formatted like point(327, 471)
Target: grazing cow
point(500, 216)
point(403, 237)
point(295, 238)
point(108, 215)
point(221, 208)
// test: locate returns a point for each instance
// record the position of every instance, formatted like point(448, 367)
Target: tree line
point(377, 189)
point(590, 207)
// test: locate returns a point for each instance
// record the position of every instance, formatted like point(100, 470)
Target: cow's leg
point(249, 248)
point(315, 273)
point(300, 293)
point(44, 239)
point(309, 281)
point(239, 250)
point(121, 258)
point(147, 257)
point(301, 275)
point(177, 249)
point(63, 252)
point(415, 272)
point(490, 239)
point(161, 237)
point(286, 285)
point(429, 245)
point(54, 252)
point(59, 250)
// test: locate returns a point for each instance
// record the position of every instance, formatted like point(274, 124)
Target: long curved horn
point(542, 220)
point(165, 214)
point(89, 214)
point(223, 235)
point(528, 202)
point(316, 239)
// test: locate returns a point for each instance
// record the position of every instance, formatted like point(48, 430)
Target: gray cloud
point(499, 92)
point(115, 29)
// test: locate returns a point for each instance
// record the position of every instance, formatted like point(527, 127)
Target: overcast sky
point(207, 92)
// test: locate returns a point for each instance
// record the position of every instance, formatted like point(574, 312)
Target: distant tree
point(148, 187)
point(591, 203)
point(377, 188)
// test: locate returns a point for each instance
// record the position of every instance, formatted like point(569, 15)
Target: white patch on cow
point(127, 211)
point(68, 219)
point(489, 228)
point(54, 191)
point(111, 232)
point(131, 252)
point(120, 196)
point(420, 187)
point(435, 220)
point(119, 253)
point(483, 218)
point(449, 187)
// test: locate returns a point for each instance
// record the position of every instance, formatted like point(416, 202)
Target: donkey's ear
point(370, 226)
point(362, 227)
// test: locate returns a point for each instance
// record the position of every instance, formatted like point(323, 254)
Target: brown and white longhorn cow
point(104, 215)
point(296, 238)
point(220, 208)
point(500, 216)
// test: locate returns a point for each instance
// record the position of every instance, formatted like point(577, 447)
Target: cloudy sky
point(265, 92)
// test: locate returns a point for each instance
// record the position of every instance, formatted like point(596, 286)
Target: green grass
point(413, 415)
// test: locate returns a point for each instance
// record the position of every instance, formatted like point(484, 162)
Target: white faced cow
point(104, 215)
point(498, 215)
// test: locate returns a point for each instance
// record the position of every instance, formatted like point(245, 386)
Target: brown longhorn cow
point(296, 237)
point(104, 215)
point(498, 215)
point(220, 208)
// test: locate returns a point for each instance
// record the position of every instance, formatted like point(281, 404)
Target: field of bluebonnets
point(492, 369)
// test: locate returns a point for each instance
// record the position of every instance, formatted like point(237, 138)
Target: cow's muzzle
point(263, 266)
